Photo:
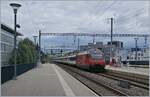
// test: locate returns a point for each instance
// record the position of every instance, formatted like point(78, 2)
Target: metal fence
point(136, 62)
point(7, 72)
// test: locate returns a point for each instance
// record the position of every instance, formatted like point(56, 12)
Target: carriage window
point(72, 58)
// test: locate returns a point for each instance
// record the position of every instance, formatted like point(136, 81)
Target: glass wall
point(7, 45)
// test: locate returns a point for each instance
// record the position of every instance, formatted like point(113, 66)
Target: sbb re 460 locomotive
point(92, 59)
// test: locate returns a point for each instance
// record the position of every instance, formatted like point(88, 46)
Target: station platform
point(46, 80)
point(134, 70)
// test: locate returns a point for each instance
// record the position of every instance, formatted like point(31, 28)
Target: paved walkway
point(46, 80)
point(136, 70)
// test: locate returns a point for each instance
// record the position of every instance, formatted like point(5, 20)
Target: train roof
point(81, 53)
point(66, 57)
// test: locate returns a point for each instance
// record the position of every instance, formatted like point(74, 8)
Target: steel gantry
point(94, 34)
point(91, 35)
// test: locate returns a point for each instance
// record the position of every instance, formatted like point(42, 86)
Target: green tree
point(26, 52)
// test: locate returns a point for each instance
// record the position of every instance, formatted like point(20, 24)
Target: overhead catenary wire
point(91, 21)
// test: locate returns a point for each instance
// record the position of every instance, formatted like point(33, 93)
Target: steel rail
point(130, 81)
point(138, 79)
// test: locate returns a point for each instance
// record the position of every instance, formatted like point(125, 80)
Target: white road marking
point(65, 86)
point(84, 85)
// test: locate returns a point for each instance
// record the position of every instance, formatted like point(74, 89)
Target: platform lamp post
point(35, 37)
point(39, 50)
point(15, 7)
point(18, 26)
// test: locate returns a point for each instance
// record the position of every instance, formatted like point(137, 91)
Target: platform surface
point(46, 80)
point(135, 70)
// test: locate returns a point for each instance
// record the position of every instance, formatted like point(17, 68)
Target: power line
point(96, 7)
point(102, 13)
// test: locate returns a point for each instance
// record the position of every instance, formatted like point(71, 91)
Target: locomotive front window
point(96, 56)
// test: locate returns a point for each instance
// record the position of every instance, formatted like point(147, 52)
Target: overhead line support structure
point(111, 36)
point(95, 34)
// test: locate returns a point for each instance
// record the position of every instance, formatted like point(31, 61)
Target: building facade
point(7, 43)
point(120, 54)
point(142, 55)
point(118, 44)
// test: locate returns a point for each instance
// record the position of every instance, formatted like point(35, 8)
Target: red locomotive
point(92, 59)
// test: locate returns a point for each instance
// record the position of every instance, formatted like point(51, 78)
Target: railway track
point(131, 80)
point(143, 79)
point(103, 85)
point(92, 83)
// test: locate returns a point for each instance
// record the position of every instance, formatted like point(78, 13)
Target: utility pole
point(111, 36)
point(78, 44)
point(145, 42)
point(93, 39)
point(74, 44)
point(136, 50)
point(111, 30)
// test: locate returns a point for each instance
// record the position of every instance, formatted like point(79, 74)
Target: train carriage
point(92, 59)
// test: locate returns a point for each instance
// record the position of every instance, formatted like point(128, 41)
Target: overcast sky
point(79, 17)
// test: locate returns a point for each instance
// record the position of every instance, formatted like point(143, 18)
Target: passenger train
point(92, 59)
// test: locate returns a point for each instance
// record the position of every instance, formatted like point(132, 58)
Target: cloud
point(77, 16)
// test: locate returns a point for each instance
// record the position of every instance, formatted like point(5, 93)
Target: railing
point(7, 72)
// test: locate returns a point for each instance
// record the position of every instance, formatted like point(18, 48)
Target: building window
point(6, 38)
point(127, 57)
point(3, 47)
